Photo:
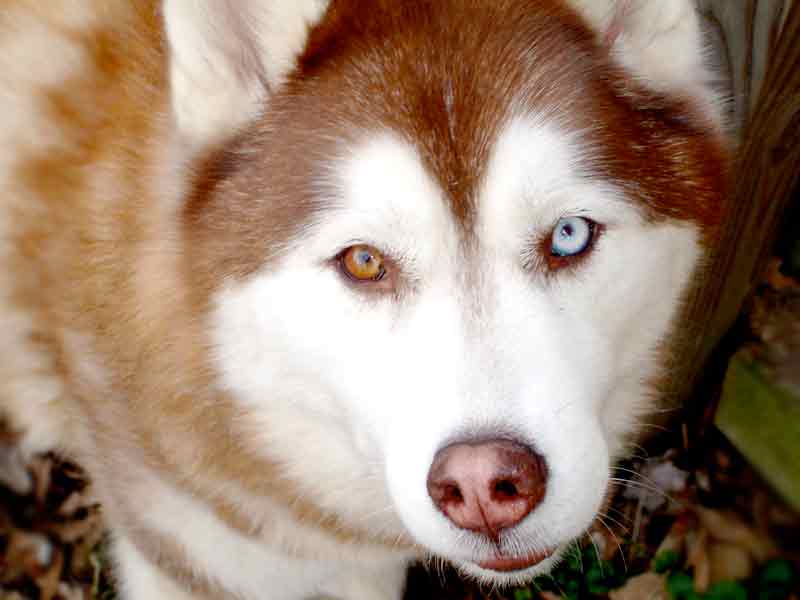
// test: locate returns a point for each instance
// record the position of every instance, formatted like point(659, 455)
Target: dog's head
point(441, 246)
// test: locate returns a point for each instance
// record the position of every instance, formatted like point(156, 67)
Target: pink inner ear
point(617, 24)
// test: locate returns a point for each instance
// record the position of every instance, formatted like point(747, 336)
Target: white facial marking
point(373, 385)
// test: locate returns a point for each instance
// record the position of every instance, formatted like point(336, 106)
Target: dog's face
point(440, 268)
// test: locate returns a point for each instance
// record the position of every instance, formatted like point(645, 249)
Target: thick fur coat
point(182, 186)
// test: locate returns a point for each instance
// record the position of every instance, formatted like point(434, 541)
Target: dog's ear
point(660, 42)
point(227, 55)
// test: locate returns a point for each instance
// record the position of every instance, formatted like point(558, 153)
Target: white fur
point(248, 566)
point(32, 394)
point(478, 342)
point(227, 54)
point(138, 578)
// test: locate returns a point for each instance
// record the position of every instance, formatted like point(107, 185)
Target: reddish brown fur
point(102, 256)
point(101, 260)
point(378, 65)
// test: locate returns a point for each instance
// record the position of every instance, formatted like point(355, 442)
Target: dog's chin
point(511, 570)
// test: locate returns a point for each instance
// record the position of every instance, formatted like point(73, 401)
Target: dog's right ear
point(227, 55)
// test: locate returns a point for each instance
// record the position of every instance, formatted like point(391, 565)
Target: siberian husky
point(314, 289)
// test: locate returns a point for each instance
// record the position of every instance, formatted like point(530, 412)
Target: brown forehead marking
point(445, 76)
point(450, 74)
point(442, 75)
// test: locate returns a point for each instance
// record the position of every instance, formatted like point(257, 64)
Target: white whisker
point(614, 537)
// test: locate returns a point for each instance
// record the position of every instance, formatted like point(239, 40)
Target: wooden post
point(761, 46)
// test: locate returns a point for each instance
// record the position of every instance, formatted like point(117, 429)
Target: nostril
point(445, 493)
point(504, 489)
point(487, 486)
point(451, 494)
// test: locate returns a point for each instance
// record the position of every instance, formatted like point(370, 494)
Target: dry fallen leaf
point(675, 540)
point(777, 280)
point(659, 482)
point(697, 558)
point(71, 592)
point(72, 530)
point(726, 526)
point(729, 562)
point(33, 553)
point(41, 467)
point(647, 586)
point(49, 580)
point(74, 502)
point(13, 473)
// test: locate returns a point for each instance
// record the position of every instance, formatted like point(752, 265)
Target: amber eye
point(363, 263)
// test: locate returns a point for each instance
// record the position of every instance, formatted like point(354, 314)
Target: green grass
point(583, 576)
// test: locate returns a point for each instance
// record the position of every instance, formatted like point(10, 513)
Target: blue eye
point(571, 236)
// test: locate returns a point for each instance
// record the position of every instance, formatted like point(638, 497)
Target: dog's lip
point(505, 564)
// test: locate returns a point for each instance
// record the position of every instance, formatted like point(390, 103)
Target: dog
point(314, 289)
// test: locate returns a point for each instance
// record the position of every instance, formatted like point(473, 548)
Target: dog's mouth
point(504, 564)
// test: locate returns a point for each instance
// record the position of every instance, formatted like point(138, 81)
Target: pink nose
point(487, 486)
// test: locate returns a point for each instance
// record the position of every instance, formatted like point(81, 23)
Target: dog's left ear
point(227, 55)
point(660, 42)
